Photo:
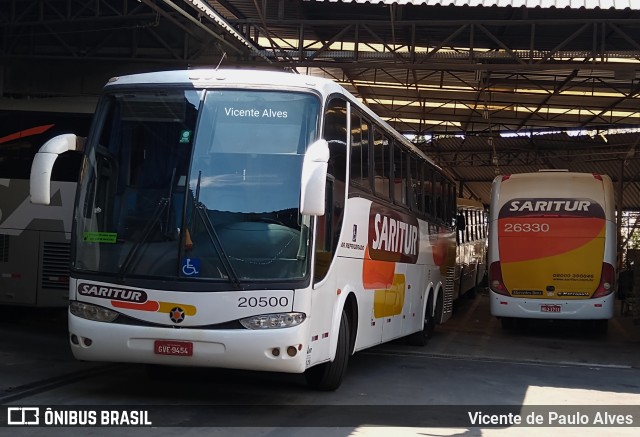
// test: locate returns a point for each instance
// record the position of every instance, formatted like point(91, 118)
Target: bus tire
point(599, 327)
point(508, 323)
point(157, 372)
point(473, 291)
point(328, 376)
point(421, 338)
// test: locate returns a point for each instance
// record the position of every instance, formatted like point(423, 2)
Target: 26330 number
point(527, 227)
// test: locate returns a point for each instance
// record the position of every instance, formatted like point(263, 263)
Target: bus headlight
point(273, 321)
point(92, 312)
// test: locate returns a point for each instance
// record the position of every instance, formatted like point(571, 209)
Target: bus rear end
point(552, 248)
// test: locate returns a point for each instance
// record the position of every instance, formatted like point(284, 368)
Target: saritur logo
point(393, 236)
point(549, 205)
point(111, 293)
point(538, 207)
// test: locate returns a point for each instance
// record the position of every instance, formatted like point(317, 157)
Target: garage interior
point(484, 87)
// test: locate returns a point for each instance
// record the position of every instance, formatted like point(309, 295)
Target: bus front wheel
point(328, 376)
point(157, 372)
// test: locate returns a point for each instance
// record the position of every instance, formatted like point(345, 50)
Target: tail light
point(607, 281)
point(495, 279)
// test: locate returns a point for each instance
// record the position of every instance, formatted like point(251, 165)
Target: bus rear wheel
point(599, 327)
point(509, 323)
point(328, 376)
point(421, 338)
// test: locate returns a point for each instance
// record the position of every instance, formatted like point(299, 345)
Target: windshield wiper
point(163, 204)
point(215, 239)
point(146, 232)
point(217, 244)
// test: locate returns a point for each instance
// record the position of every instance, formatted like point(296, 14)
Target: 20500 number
point(263, 302)
point(527, 227)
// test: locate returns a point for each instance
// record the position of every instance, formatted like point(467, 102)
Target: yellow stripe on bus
point(387, 303)
point(166, 307)
point(578, 269)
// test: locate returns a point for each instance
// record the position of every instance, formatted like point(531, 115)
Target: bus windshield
point(196, 184)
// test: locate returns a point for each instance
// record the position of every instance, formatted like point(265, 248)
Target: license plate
point(550, 308)
point(169, 347)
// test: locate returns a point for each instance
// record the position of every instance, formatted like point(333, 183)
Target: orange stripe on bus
point(377, 274)
point(26, 133)
point(564, 235)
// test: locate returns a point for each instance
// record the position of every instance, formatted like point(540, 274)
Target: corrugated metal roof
point(439, 68)
point(470, 160)
point(572, 4)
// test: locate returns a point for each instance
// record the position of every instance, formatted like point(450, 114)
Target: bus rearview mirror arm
point(314, 177)
point(42, 165)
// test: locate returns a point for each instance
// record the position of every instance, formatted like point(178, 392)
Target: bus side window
point(429, 208)
point(438, 198)
point(381, 165)
point(484, 224)
point(467, 233)
point(473, 229)
point(399, 175)
point(359, 152)
point(461, 225)
point(335, 132)
point(415, 181)
point(451, 205)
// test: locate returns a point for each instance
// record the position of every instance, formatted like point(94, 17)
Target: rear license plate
point(550, 308)
point(169, 347)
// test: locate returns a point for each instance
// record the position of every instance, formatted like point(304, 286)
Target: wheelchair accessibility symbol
point(191, 267)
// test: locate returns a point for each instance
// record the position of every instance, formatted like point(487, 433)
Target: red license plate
point(170, 347)
point(550, 308)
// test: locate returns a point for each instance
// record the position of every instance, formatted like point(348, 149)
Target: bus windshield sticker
point(99, 237)
point(191, 267)
point(185, 137)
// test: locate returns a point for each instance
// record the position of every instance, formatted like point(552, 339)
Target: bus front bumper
point(279, 350)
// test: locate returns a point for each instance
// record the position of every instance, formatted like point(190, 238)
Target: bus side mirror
point(42, 165)
point(461, 223)
point(314, 177)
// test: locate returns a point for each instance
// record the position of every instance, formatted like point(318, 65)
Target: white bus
point(552, 247)
point(251, 220)
point(34, 239)
point(471, 243)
